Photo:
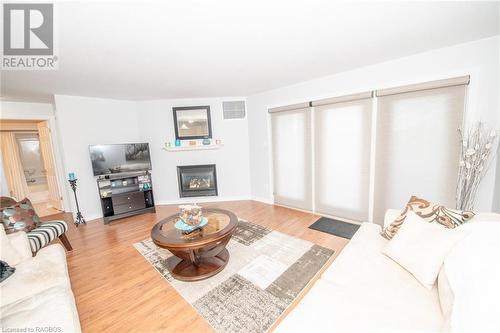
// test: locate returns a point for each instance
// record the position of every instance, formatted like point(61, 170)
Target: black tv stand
point(123, 195)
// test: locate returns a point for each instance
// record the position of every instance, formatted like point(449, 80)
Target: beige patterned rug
point(265, 273)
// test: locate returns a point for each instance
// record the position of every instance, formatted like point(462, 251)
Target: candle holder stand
point(79, 217)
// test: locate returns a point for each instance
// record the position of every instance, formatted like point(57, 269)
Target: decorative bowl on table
point(190, 214)
point(187, 228)
point(190, 218)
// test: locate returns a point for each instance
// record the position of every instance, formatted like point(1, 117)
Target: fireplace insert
point(197, 180)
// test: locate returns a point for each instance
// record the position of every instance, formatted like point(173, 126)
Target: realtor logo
point(28, 36)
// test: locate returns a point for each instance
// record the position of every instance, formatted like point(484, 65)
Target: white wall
point(478, 58)
point(4, 189)
point(84, 121)
point(245, 171)
point(496, 196)
point(21, 110)
point(38, 111)
point(232, 160)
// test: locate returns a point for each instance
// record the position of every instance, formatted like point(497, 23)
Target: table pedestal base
point(187, 270)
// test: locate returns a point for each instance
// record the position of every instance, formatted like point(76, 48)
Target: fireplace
point(197, 180)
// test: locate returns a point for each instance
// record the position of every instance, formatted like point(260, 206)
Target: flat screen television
point(116, 158)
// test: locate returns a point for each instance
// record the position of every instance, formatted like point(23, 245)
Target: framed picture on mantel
point(192, 122)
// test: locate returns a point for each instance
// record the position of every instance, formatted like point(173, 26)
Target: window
point(327, 160)
point(417, 147)
point(291, 133)
point(342, 158)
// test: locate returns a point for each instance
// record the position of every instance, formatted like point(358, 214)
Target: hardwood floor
point(43, 210)
point(116, 290)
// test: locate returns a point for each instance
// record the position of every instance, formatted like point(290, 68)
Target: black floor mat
point(335, 227)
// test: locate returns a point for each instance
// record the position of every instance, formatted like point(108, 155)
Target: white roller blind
point(417, 147)
point(291, 134)
point(341, 99)
point(342, 158)
point(452, 82)
point(291, 107)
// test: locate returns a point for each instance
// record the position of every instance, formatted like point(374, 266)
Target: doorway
point(28, 163)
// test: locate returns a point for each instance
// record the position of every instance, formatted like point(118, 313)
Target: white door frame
point(56, 147)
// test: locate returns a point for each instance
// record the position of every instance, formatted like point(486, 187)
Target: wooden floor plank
point(117, 290)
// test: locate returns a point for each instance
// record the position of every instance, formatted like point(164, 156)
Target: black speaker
point(107, 207)
point(148, 198)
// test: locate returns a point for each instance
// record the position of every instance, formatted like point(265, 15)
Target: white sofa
point(366, 291)
point(38, 296)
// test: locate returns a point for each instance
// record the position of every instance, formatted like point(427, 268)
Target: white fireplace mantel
point(197, 147)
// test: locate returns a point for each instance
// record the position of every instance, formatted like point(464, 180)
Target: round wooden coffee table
point(201, 253)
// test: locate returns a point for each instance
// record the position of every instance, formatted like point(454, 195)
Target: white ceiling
point(176, 49)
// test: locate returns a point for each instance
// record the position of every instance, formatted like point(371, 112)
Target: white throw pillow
point(421, 247)
point(19, 241)
point(473, 272)
point(7, 252)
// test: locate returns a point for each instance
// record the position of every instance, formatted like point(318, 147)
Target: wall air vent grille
point(233, 109)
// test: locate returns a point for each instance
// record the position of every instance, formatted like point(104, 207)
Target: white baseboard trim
point(96, 217)
point(92, 218)
point(88, 218)
point(263, 200)
point(200, 200)
point(320, 214)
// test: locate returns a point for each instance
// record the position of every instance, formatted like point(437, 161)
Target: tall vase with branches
point(477, 152)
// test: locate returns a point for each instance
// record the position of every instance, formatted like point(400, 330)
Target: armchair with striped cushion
point(44, 233)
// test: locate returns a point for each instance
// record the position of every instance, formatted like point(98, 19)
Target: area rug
point(266, 271)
